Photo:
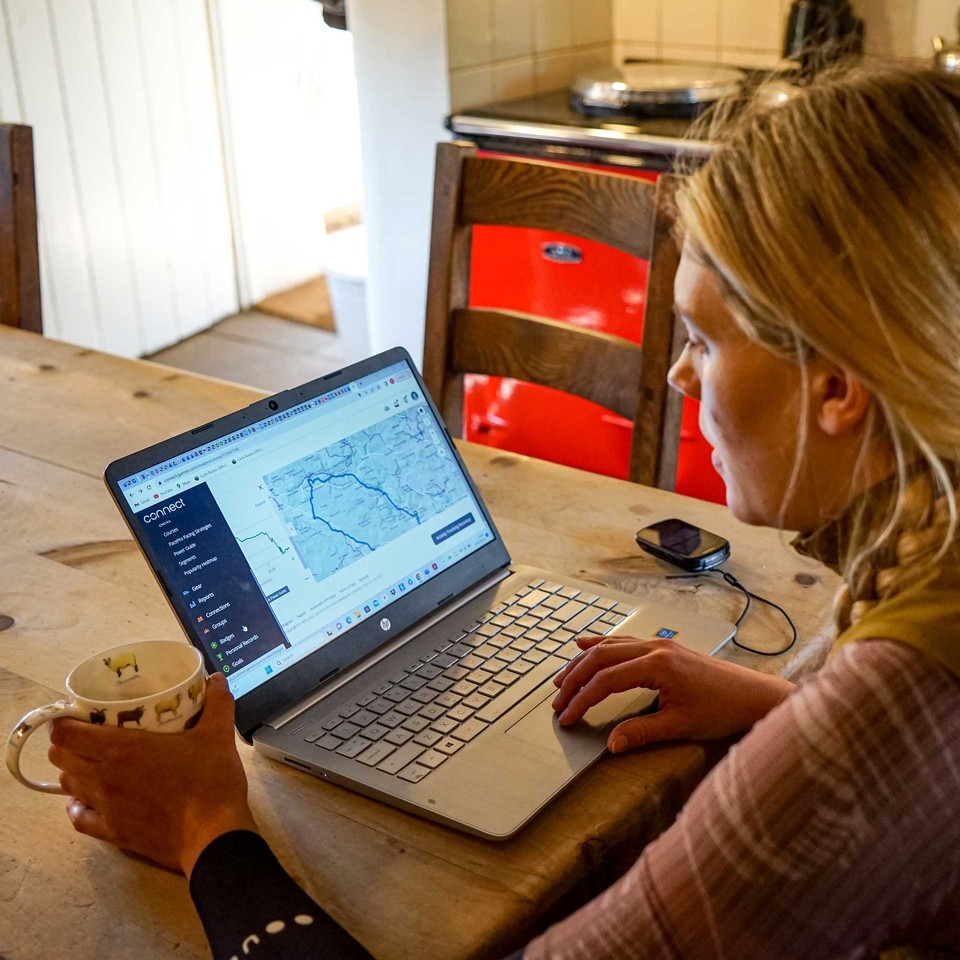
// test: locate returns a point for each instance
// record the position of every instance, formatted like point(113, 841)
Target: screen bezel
point(302, 677)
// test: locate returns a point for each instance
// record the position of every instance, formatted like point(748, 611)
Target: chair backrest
point(620, 211)
point(19, 259)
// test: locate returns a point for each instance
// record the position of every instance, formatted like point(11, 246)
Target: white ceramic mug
point(156, 685)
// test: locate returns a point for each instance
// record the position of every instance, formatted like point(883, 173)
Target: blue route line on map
point(366, 486)
point(406, 426)
point(343, 533)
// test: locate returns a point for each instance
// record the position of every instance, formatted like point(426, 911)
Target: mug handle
point(28, 725)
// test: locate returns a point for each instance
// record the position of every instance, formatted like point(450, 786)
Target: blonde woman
point(820, 289)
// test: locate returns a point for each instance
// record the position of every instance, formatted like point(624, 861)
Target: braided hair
point(915, 537)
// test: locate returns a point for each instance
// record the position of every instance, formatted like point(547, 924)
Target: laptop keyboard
point(410, 724)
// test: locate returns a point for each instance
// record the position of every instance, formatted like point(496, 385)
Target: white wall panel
point(137, 176)
point(159, 53)
point(11, 112)
point(135, 235)
point(272, 82)
point(65, 245)
point(207, 182)
point(93, 157)
point(49, 305)
point(140, 129)
point(9, 97)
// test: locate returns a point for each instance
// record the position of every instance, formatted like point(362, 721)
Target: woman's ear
point(840, 400)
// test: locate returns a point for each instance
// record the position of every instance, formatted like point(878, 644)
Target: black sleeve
point(250, 906)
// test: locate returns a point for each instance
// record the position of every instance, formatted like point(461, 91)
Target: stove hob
point(547, 127)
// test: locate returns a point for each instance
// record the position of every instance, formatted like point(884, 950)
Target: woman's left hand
point(162, 795)
point(701, 697)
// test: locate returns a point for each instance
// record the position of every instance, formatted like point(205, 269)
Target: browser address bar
point(216, 464)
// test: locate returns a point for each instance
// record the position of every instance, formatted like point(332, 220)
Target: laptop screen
point(282, 536)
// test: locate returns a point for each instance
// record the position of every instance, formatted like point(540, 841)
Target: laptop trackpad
point(539, 725)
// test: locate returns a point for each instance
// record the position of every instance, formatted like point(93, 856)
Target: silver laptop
point(327, 550)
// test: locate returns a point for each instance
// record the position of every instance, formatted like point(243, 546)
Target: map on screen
point(342, 502)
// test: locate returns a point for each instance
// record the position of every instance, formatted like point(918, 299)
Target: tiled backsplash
point(501, 49)
point(750, 32)
point(731, 31)
point(747, 32)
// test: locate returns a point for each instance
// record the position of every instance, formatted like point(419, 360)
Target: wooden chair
point(19, 259)
point(619, 211)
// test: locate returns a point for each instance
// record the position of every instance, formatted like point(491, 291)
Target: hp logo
point(384, 624)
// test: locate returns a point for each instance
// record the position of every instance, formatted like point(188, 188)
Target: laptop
point(328, 552)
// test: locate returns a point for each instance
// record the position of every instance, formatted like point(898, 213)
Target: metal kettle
point(946, 55)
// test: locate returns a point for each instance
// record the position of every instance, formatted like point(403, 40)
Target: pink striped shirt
point(832, 830)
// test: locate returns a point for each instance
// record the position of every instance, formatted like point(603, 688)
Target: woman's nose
point(682, 377)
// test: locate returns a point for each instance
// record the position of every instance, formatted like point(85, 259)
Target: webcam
point(273, 405)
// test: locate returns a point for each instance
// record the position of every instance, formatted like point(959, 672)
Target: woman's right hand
point(701, 698)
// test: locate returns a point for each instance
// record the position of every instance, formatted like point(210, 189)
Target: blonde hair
point(833, 224)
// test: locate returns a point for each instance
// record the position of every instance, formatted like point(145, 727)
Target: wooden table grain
point(73, 582)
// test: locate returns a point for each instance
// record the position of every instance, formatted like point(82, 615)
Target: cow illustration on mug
point(130, 716)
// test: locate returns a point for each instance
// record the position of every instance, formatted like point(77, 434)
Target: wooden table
point(73, 582)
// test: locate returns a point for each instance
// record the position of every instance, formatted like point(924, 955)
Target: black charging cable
point(737, 585)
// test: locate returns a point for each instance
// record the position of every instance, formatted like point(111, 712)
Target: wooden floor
point(258, 350)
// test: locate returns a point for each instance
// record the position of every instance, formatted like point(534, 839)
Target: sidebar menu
point(209, 579)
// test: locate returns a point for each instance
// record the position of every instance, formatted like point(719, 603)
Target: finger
point(640, 731)
point(219, 707)
point(586, 642)
point(600, 657)
point(86, 820)
point(90, 740)
point(582, 668)
point(82, 790)
point(73, 763)
point(624, 676)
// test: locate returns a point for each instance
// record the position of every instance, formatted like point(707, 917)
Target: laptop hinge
point(279, 719)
